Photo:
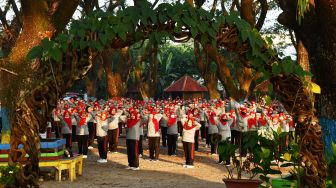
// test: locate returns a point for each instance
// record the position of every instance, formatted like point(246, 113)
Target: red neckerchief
point(82, 120)
point(243, 116)
point(262, 120)
point(233, 118)
point(212, 120)
point(222, 119)
point(132, 122)
point(171, 121)
point(252, 122)
point(186, 127)
point(68, 120)
point(155, 122)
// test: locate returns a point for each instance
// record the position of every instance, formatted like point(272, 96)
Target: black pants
point(74, 136)
point(57, 130)
point(132, 153)
point(140, 148)
point(154, 147)
point(212, 144)
point(180, 127)
point(83, 144)
point(196, 139)
point(164, 136)
point(92, 132)
point(207, 141)
point(120, 124)
point(113, 137)
point(102, 146)
point(189, 151)
point(203, 130)
point(235, 137)
point(68, 141)
point(172, 144)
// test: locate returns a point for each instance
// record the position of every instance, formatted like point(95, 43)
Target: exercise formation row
point(83, 121)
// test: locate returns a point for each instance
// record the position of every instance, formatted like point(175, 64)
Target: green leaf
point(35, 52)
point(123, 35)
point(276, 68)
point(56, 54)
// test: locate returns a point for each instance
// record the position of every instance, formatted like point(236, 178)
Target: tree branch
point(264, 9)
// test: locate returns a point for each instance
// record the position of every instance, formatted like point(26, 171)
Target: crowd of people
point(162, 120)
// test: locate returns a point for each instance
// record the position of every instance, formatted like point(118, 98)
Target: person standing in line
point(83, 131)
point(113, 128)
point(196, 115)
point(154, 134)
point(91, 127)
point(188, 139)
point(163, 124)
point(225, 133)
point(56, 121)
point(213, 131)
point(74, 124)
point(101, 132)
point(202, 122)
point(172, 133)
point(132, 136)
point(66, 121)
point(143, 121)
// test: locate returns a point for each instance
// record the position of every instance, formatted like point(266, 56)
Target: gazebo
point(186, 88)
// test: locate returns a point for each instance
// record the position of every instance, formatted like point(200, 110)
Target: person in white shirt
point(190, 126)
point(154, 134)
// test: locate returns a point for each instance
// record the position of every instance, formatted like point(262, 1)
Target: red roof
point(186, 83)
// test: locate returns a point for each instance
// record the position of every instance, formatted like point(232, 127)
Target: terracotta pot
point(241, 183)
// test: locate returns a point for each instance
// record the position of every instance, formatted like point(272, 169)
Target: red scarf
point(252, 122)
point(186, 127)
point(82, 120)
point(155, 122)
point(262, 120)
point(223, 117)
point(212, 119)
point(132, 122)
point(68, 120)
point(171, 121)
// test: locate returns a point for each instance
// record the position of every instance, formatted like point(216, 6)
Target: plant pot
point(280, 183)
point(241, 183)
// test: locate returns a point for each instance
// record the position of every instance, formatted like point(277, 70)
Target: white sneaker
point(135, 168)
point(174, 155)
point(185, 166)
point(84, 156)
point(90, 147)
point(190, 166)
point(102, 161)
point(128, 168)
point(221, 163)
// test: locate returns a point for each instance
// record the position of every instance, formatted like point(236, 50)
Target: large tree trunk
point(299, 102)
point(317, 34)
point(23, 92)
point(117, 71)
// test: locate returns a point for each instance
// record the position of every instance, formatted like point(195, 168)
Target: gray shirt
point(134, 132)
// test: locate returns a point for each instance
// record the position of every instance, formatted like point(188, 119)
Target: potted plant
point(263, 158)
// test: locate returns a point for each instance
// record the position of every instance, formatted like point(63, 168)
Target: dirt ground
point(168, 172)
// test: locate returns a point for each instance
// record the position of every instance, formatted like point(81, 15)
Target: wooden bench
point(71, 164)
